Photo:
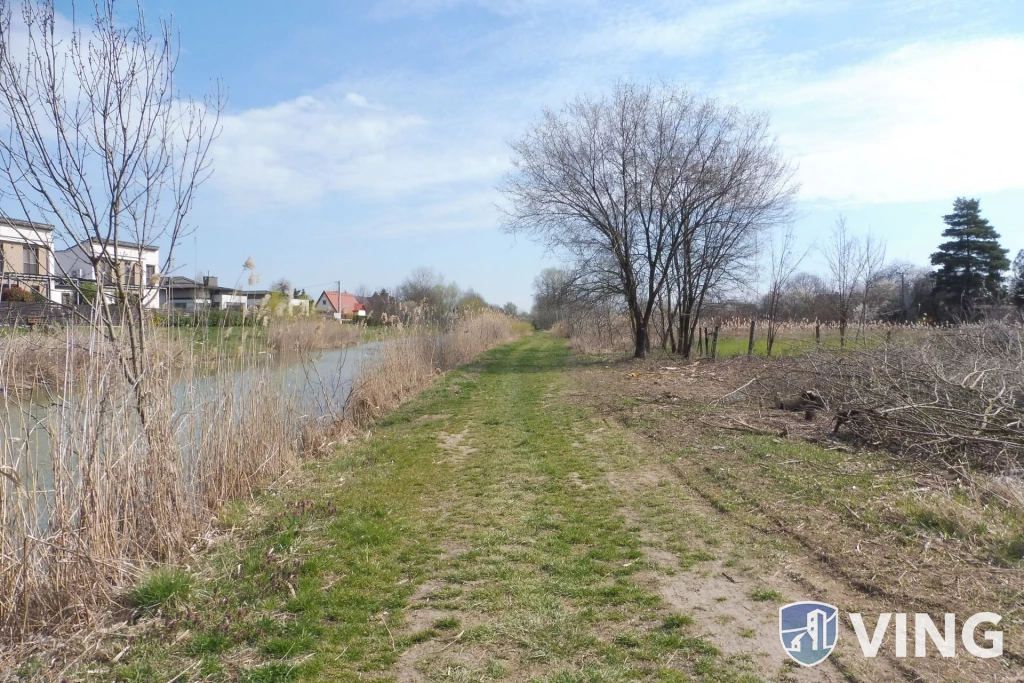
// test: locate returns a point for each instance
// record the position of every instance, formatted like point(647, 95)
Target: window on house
point(107, 273)
point(31, 260)
point(150, 274)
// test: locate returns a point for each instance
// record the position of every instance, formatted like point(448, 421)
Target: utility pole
point(339, 300)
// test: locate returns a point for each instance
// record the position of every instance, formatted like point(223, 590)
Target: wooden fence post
point(750, 344)
point(817, 332)
point(714, 346)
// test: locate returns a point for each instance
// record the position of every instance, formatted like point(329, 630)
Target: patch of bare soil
point(432, 418)
point(683, 420)
point(717, 593)
point(453, 445)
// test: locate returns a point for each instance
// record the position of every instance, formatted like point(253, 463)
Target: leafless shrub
point(595, 334)
point(86, 503)
point(953, 394)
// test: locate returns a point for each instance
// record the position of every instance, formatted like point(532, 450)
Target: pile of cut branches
point(956, 394)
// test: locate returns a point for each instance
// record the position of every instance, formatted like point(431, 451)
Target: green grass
point(766, 595)
point(160, 589)
point(790, 342)
point(521, 543)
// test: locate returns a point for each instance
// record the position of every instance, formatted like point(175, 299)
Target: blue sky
point(364, 139)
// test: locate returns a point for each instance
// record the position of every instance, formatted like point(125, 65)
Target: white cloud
point(301, 150)
point(397, 8)
point(928, 121)
point(694, 30)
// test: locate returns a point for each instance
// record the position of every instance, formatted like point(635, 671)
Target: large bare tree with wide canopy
point(651, 191)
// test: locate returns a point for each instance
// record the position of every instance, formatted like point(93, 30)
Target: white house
point(138, 264)
point(26, 256)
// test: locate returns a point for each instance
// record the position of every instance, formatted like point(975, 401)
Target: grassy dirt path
point(498, 527)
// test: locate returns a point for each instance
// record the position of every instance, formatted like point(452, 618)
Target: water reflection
point(311, 386)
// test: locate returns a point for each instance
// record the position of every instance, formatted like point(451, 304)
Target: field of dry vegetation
point(545, 514)
point(852, 517)
point(87, 506)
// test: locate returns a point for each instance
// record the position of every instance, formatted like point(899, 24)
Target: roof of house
point(15, 223)
point(348, 302)
point(119, 244)
point(179, 282)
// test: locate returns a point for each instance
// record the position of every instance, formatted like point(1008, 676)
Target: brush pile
point(953, 394)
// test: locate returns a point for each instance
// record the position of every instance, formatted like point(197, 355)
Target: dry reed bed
point(409, 362)
point(951, 394)
point(90, 497)
point(34, 361)
point(303, 335)
point(596, 334)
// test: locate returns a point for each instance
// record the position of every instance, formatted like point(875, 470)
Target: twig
point(734, 391)
point(383, 618)
point(461, 633)
point(185, 671)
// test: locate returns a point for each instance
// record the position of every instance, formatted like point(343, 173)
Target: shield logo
point(808, 631)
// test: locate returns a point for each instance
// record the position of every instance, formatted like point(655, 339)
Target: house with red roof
point(340, 305)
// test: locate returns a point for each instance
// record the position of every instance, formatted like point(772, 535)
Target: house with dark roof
point(186, 294)
point(134, 265)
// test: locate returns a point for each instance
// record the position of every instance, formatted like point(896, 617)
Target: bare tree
point(551, 296)
point(282, 286)
point(844, 254)
point(807, 297)
point(783, 260)
point(873, 268)
point(97, 141)
point(902, 273)
point(427, 288)
point(622, 183)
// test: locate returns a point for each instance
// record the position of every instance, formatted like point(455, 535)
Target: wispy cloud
point(927, 121)
point(691, 29)
point(299, 151)
point(397, 8)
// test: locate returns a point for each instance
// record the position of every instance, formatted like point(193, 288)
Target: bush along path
point(487, 530)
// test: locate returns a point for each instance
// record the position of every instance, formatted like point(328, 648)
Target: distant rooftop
point(118, 244)
point(16, 223)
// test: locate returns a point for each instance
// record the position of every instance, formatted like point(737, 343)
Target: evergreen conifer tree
point(970, 263)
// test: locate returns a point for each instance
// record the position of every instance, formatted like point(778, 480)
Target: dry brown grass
point(596, 334)
point(952, 394)
point(46, 362)
point(311, 334)
point(90, 497)
point(411, 361)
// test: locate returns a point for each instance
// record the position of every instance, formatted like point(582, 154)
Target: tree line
point(666, 206)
